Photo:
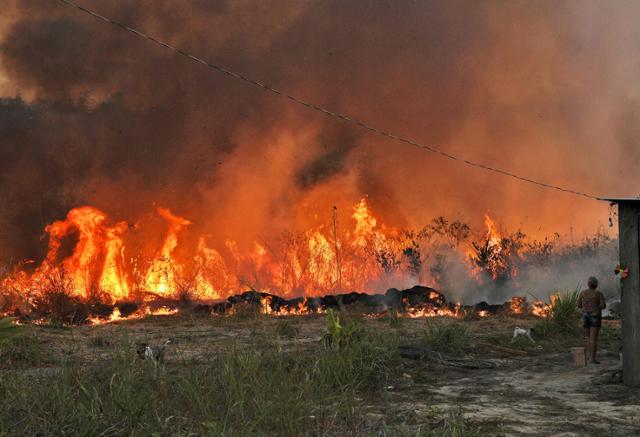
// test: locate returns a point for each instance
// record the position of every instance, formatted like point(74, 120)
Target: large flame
point(95, 266)
point(317, 262)
point(161, 276)
point(89, 258)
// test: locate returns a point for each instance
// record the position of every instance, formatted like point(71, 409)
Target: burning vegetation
point(92, 272)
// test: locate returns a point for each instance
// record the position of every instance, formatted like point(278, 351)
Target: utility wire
point(325, 111)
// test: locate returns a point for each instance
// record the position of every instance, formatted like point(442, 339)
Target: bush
point(341, 335)
point(564, 311)
point(563, 317)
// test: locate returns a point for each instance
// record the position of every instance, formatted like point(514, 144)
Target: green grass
point(287, 328)
point(395, 320)
point(17, 347)
point(20, 351)
point(446, 337)
point(564, 311)
point(7, 327)
point(253, 390)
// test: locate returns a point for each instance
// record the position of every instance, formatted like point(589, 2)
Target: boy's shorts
point(591, 320)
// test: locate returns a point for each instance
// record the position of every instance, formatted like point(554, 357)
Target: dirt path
point(547, 396)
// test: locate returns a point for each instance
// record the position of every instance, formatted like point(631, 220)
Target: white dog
point(521, 331)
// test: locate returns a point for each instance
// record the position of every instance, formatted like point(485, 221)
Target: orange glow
point(162, 272)
point(87, 259)
point(95, 265)
point(116, 316)
point(517, 304)
point(431, 311)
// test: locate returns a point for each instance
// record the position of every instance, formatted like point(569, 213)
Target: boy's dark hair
point(592, 282)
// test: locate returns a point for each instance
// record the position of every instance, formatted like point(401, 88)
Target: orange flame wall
point(314, 262)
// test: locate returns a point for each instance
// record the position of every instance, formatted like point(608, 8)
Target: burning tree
point(496, 256)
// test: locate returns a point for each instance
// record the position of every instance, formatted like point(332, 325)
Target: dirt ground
point(534, 389)
point(542, 395)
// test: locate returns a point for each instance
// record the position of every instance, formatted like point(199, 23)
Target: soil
point(542, 395)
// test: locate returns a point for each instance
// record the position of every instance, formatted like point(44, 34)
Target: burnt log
point(203, 309)
point(127, 308)
point(221, 307)
point(329, 301)
point(415, 297)
point(102, 310)
point(350, 298)
point(489, 308)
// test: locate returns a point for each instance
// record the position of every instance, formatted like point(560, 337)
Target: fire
point(96, 263)
point(518, 304)
point(542, 309)
point(116, 315)
point(89, 259)
point(212, 278)
point(163, 269)
point(495, 253)
point(365, 224)
point(432, 311)
point(492, 232)
point(302, 309)
point(323, 265)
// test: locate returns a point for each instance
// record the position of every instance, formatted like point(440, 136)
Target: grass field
point(341, 374)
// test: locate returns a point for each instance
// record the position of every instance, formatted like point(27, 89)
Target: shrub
point(341, 335)
point(563, 317)
point(564, 310)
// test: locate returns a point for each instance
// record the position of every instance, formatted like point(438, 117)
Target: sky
point(92, 115)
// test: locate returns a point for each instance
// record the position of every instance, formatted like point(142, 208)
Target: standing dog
point(152, 352)
point(517, 332)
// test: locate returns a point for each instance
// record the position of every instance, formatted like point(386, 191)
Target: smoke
point(537, 275)
point(93, 115)
point(330, 162)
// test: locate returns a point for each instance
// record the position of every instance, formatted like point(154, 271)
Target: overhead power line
point(321, 109)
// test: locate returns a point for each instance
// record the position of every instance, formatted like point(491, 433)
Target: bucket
point(579, 356)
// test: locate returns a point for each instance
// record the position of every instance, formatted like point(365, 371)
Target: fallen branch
point(504, 349)
point(419, 352)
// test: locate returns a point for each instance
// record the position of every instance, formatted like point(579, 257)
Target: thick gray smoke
point(564, 269)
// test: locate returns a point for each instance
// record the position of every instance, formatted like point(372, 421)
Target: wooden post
point(629, 242)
